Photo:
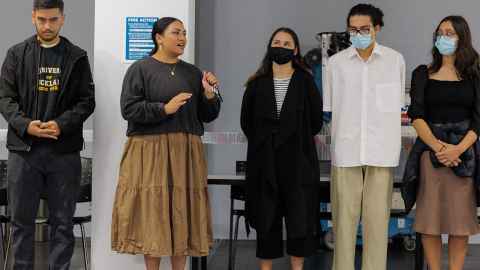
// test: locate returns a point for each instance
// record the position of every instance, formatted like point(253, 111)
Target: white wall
point(108, 125)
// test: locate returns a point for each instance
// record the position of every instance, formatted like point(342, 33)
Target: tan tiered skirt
point(161, 205)
point(446, 203)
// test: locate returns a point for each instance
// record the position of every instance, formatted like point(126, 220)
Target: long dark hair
point(266, 64)
point(467, 60)
point(159, 28)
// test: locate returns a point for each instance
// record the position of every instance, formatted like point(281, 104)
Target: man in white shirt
point(365, 92)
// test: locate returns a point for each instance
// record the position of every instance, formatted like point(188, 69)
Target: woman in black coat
point(281, 114)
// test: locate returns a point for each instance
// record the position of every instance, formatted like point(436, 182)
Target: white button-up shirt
point(365, 98)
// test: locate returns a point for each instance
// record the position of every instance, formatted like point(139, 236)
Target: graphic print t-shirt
point(49, 82)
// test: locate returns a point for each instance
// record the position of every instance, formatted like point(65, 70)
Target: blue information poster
point(138, 42)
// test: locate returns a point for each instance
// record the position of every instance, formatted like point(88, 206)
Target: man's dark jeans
point(30, 174)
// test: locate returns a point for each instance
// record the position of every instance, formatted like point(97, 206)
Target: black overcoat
point(282, 150)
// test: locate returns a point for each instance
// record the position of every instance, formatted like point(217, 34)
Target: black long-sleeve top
point(444, 101)
point(149, 85)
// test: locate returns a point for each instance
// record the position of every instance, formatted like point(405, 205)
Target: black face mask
point(280, 55)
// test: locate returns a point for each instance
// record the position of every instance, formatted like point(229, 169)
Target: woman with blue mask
point(442, 166)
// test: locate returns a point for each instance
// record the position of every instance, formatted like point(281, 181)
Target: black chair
point(85, 196)
point(237, 193)
point(4, 222)
point(4, 218)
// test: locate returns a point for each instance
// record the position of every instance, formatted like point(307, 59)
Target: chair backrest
point(3, 197)
point(86, 171)
point(3, 183)
point(3, 173)
point(85, 194)
point(238, 193)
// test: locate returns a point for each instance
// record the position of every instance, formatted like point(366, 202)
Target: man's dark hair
point(376, 14)
point(48, 4)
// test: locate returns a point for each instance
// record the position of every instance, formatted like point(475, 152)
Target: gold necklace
point(172, 70)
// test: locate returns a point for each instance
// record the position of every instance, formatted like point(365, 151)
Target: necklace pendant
point(172, 73)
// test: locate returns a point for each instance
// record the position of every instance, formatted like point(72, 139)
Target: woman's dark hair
point(266, 64)
point(159, 28)
point(467, 60)
point(48, 4)
point(376, 14)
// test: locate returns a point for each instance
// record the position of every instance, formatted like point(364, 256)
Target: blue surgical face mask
point(446, 45)
point(361, 41)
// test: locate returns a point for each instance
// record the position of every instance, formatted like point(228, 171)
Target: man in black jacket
point(46, 94)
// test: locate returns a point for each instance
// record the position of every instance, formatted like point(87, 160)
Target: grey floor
point(41, 255)
point(397, 258)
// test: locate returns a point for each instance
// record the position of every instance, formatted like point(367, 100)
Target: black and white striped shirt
point(281, 87)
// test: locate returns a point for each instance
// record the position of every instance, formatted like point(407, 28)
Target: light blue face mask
point(361, 41)
point(446, 45)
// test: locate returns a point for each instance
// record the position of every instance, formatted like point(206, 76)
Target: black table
point(238, 180)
